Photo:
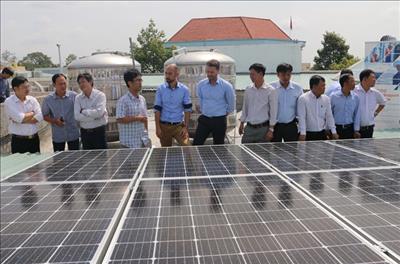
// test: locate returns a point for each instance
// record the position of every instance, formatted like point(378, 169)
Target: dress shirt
point(368, 103)
point(260, 104)
point(333, 88)
point(130, 134)
point(315, 114)
point(91, 111)
point(287, 101)
point(216, 100)
point(16, 110)
point(345, 109)
point(172, 102)
point(56, 107)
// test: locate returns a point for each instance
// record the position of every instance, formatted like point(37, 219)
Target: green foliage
point(36, 60)
point(334, 53)
point(344, 64)
point(150, 50)
point(70, 58)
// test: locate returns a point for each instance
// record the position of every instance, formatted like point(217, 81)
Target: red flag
point(291, 25)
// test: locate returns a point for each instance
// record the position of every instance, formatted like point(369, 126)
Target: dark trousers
point(321, 135)
point(285, 131)
point(207, 125)
point(72, 145)
point(23, 145)
point(345, 132)
point(367, 131)
point(94, 138)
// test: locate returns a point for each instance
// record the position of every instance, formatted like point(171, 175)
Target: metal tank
point(107, 69)
point(192, 68)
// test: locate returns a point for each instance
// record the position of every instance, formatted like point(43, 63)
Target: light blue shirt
point(172, 102)
point(287, 101)
point(131, 134)
point(333, 88)
point(56, 107)
point(345, 109)
point(216, 100)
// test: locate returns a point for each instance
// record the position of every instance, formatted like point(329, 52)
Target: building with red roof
point(245, 39)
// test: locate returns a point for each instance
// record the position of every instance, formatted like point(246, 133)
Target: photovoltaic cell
point(201, 161)
point(369, 199)
point(255, 219)
point(83, 166)
point(57, 223)
point(385, 148)
point(309, 156)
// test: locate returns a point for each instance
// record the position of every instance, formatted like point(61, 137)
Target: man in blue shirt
point(172, 109)
point(345, 109)
point(288, 94)
point(335, 87)
point(216, 100)
point(58, 111)
point(5, 74)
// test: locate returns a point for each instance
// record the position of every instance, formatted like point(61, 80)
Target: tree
point(70, 58)
point(334, 52)
point(150, 50)
point(36, 60)
point(8, 58)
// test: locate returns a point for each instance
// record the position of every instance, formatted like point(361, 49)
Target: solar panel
point(308, 202)
point(369, 199)
point(95, 165)
point(387, 148)
point(201, 161)
point(313, 156)
point(58, 223)
point(254, 219)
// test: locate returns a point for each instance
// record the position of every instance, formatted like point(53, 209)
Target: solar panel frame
point(197, 160)
point(21, 177)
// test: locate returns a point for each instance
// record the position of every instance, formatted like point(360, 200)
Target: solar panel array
point(312, 202)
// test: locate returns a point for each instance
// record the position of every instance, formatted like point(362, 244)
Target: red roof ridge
point(245, 26)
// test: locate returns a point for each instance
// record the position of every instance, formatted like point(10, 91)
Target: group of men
point(281, 111)
point(271, 112)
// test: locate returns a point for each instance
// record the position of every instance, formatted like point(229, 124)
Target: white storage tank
point(192, 67)
point(107, 69)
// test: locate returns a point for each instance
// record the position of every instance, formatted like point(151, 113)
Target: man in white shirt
point(90, 111)
point(372, 102)
point(260, 107)
point(314, 112)
point(24, 114)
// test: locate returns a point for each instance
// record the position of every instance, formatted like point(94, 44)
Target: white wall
point(269, 54)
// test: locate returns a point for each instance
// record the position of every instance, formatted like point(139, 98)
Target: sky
point(82, 27)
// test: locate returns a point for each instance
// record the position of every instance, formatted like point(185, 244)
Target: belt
point(344, 126)
point(91, 130)
point(26, 137)
point(266, 123)
point(367, 127)
point(214, 117)
point(170, 123)
point(294, 121)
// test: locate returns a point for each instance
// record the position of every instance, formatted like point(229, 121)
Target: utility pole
point(59, 57)
point(131, 52)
